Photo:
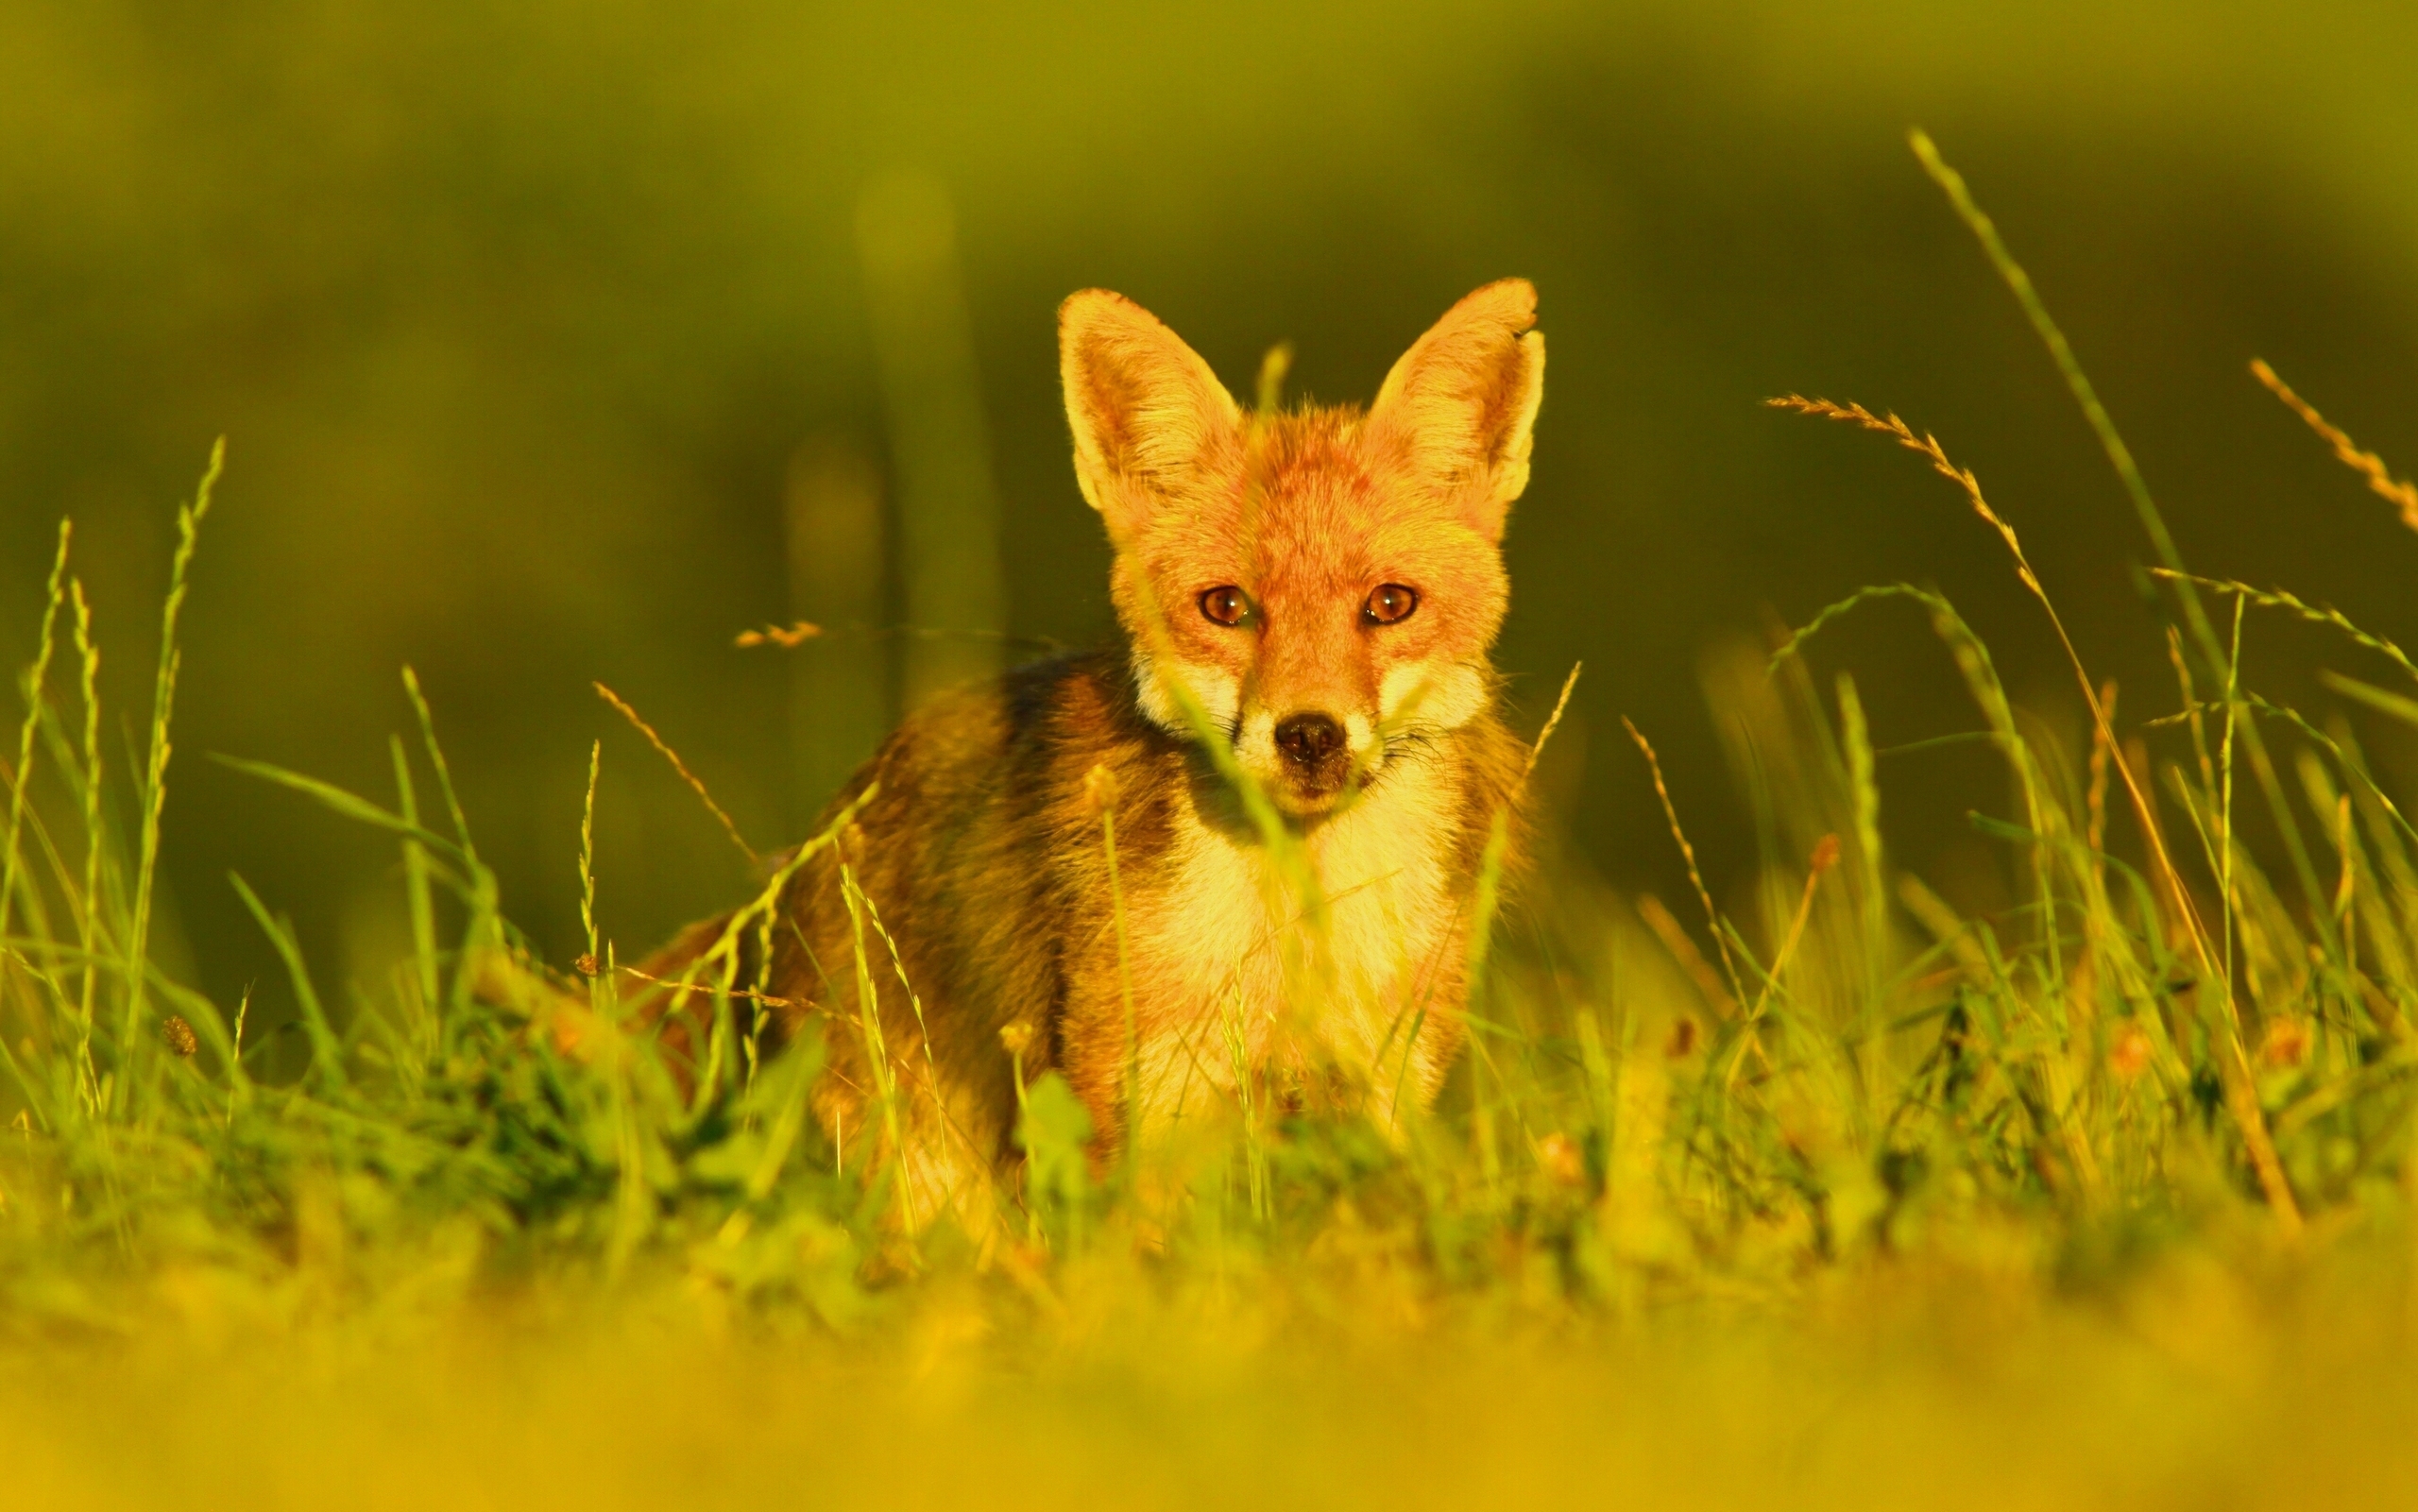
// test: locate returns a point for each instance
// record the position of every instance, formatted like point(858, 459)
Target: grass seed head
point(2286, 1043)
point(1100, 791)
point(2131, 1056)
point(1557, 1153)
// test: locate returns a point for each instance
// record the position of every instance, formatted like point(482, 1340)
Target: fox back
point(1235, 857)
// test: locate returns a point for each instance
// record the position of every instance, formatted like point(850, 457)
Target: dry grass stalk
point(2400, 494)
point(1826, 855)
point(679, 766)
point(788, 638)
point(1926, 445)
point(1675, 939)
point(765, 998)
point(1553, 720)
point(2103, 755)
point(1688, 854)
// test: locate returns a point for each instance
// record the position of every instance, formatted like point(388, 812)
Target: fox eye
point(1389, 604)
point(1225, 605)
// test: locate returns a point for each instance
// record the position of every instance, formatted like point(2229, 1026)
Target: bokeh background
point(558, 342)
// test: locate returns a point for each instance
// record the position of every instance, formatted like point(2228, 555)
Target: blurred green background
point(564, 341)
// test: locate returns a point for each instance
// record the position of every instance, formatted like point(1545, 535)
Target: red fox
point(1295, 753)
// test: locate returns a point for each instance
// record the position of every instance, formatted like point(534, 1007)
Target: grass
point(2107, 1198)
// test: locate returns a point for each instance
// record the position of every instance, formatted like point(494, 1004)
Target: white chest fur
point(1235, 962)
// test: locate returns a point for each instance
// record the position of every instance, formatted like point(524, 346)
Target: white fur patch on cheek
point(1417, 693)
point(1157, 687)
point(1257, 743)
point(1359, 734)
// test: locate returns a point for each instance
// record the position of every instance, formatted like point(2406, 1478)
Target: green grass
point(1838, 1195)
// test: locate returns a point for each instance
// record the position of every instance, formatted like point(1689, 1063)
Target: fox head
point(1319, 586)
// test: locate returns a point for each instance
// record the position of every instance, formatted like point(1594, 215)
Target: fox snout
point(1307, 760)
point(1310, 741)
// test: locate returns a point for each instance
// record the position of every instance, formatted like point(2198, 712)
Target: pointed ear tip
point(1086, 305)
point(1511, 299)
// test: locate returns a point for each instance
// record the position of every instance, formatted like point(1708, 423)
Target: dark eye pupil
point(1224, 605)
point(1392, 602)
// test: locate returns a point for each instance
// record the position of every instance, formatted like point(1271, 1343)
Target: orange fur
point(1332, 951)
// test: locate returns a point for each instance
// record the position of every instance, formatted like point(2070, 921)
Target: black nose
point(1309, 740)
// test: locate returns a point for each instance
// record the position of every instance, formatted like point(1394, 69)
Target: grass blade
point(327, 1052)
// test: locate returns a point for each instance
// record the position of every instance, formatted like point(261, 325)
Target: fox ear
point(1462, 401)
point(1147, 412)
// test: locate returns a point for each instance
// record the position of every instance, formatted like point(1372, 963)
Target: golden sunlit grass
point(2107, 1198)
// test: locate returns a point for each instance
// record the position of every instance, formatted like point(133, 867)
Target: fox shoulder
point(1005, 767)
point(1494, 789)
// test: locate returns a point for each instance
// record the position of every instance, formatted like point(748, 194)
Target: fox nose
point(1309, 740)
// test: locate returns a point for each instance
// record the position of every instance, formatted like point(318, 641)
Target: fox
point(1236, 854)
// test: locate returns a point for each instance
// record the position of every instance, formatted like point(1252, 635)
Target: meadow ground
point(2106, 1197)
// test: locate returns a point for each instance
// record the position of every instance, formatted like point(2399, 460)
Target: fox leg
point(1092, 1057)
